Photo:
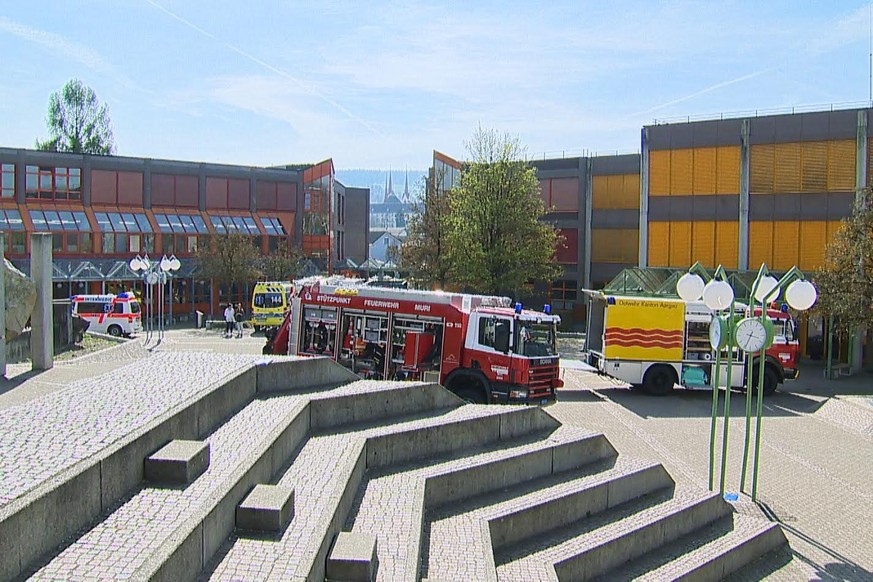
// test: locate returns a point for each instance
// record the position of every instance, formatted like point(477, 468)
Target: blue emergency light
point(610, 300)
point(784, 308)
point(518, 307)
point(547, 309)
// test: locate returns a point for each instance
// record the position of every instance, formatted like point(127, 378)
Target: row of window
point(131, 222)
point(126, 188)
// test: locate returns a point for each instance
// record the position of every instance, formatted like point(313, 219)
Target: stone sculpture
point(20, 299)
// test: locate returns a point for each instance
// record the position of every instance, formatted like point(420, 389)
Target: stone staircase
point(419, 484)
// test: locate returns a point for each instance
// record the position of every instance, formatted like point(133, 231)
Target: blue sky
point(373, 84)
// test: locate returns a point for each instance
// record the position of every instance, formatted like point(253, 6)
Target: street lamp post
point(753, 335)
point(155, 273)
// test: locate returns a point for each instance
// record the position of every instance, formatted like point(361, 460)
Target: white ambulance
point(113, 314)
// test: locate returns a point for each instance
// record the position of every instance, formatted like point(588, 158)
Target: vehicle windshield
point(134, 307)
point(535, 340)
point(267, 300)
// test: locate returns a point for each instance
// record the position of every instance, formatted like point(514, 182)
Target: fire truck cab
point(482, 348)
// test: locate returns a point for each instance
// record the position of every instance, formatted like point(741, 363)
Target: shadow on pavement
point(842, 568)
point(695, 403)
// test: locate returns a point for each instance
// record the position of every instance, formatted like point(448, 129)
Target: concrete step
point(606, 541)
point(164, 533)
point(328, 470)
point(510, 516)
point(710, 553)
point(172, 530)
point(392, 503)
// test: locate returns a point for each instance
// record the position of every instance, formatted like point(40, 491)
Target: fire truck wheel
point(114, 330)
point(472, 395)
point(659, 380)
point(771, 379)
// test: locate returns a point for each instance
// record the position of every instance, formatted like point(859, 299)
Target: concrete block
point(524, 421)
point(578, 453)
point(353, 558)
point(267, 508)
point(179, 462)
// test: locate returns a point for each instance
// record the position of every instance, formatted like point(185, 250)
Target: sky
point(377, 84)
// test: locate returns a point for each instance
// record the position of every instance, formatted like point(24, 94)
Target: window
point(179, 232)
point(272, 226)
point(12, 225)
point(7, 180)
point(494, 333)
point(125, 233)
point(71, 230)
point(562, 294)
point(234, 224)
point(53, 183)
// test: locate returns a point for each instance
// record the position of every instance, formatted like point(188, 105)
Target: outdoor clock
point(753, 335)
point(718, 332)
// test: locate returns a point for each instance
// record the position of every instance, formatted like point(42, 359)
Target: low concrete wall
point(409, 398)
point(43, 518)
point(288, 373)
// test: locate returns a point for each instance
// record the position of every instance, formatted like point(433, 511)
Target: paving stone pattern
point(46, 435)
point(133, 532)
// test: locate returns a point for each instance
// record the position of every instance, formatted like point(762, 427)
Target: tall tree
point(497, 240)
point(229, 258)
point(845, 282)
point(281, 265)
point(77, 122)
point(424, 253)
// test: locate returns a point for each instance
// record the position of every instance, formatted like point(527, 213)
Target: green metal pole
point(830, 346)
point(713, 423)
point(727, 401)
point(758, 425)
point(748, 423)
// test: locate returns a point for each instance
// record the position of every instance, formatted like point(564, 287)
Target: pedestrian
point(229, 320)
point(238, 316)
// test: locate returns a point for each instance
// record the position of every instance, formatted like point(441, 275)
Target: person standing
point(238, 316)
point(229, 320)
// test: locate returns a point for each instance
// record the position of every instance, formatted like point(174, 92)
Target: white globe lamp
point(801, 295)
point(689, 287)
point(718, 295)
point(768, 289)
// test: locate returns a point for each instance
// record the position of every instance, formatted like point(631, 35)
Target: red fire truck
point(482, 348)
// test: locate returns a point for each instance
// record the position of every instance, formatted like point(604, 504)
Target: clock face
point(751, 335)
point(716, 333)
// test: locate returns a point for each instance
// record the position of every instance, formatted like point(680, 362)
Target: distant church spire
point(406, 188)
point(387, 186)
point(390, 192)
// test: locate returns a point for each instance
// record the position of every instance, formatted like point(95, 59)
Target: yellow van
point(271, 300)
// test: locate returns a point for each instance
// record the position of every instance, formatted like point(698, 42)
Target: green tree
point(424, 253)
point(229, 258)
point(280, 265)
point(845, 281)
point(77, 122)
point(497, 240)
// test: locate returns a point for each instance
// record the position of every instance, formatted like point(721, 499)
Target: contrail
point(59, 44)
point(270, 68)
point(703, 91)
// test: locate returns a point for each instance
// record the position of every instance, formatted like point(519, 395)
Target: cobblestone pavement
point(134, 531)
point(52, 432)
point(816, 456)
